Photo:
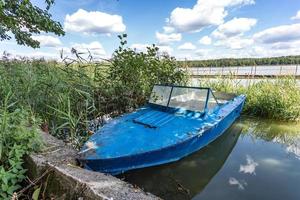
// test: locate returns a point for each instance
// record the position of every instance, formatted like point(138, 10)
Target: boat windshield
point(189, 98)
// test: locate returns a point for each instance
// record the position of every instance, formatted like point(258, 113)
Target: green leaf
point(36, 193)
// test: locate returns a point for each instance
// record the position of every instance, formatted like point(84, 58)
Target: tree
point(22, 19)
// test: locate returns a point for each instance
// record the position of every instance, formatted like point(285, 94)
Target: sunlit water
point(254, 159)
point(247, 70)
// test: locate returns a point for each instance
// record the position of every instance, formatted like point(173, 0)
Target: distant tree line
point(284, 60)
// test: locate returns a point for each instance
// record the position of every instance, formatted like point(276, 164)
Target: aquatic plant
point(275, 99)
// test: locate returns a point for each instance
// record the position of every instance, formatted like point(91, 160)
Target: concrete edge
point(68, 181)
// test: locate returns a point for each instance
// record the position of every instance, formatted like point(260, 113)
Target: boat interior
point(183, 100)
point(197, 99)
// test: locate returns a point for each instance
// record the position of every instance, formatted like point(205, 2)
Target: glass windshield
point(160, 95)
point(212, 102)
point(188, 98)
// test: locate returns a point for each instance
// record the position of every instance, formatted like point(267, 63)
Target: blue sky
point(186, 29)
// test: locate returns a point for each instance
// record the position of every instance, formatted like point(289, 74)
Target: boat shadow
point(189, 176)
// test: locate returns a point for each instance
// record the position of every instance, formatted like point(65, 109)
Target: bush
point(133, 74)
point(19, 135)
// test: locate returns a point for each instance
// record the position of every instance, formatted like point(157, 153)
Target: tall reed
point(275, 99)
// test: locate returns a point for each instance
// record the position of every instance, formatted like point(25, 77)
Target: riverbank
point(64, 98)
point(271, 61)
point(54, 170)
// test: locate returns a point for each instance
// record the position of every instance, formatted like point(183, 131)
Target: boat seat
point(154, 119)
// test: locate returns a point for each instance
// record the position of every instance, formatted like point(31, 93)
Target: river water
point(254, 159)
point(263, 70)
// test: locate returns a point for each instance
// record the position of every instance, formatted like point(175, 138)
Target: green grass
point(274, 99)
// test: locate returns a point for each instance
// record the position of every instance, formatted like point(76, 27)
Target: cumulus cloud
point(249, 168)
point(235, 43)
point(204, 13)
point(33, 55)
point(206, 40)
point(241, 184)
point(285, 33)
point(294, 149)
point(271, 162)
point(168, 29)
point(47, 41)
point(165, 49)
point(297, 16)
point(95, 48)
point(164, 39)
point(234, 27)
point(94, 22)
point(270, 51)
point(286, 45)
point(143, 48)
point(140, 47)
point(187, 46)
point(202, 52)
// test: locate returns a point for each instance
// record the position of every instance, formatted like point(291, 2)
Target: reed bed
point(277, 99)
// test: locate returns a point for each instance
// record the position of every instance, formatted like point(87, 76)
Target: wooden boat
point(176, 122)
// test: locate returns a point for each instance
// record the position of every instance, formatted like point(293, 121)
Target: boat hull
point(171, 153)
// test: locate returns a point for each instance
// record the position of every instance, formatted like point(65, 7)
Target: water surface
point(254, 159)
point(247, 70)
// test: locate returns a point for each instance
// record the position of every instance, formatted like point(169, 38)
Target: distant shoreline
point(241, 62)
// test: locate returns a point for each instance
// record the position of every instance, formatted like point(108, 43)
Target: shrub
point(18, 136)
point(133, 74)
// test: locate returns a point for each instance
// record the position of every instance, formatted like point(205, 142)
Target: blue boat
point(176, 122)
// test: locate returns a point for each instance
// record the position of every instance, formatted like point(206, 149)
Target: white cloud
point(235, 42)
point(271, 162)
point(164, 39)
point(168, 29)
point(95, 48)
point(204, 13)
point(94, 22)
point(294, 149)
point(206, 40)
point(285, 33)
point(297, 16)
point(202, 52)
point(140, 47)
point(234, 181)
point(270, 51)
point(143, 48)
point(286, 45)
point(187, 46)
point(36, 54)
point(249, 168)
point(234, 27)
point(165, 49)
point(47, 41)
